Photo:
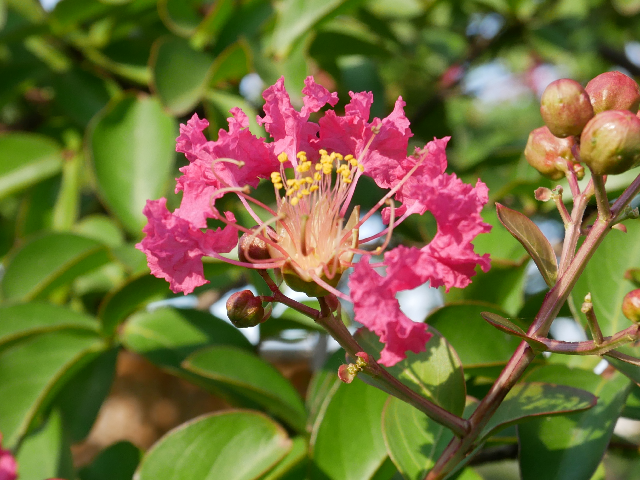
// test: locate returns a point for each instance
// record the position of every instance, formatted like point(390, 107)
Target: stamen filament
point(328, 287)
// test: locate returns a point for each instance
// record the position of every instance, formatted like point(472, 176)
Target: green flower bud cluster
point(597, 125)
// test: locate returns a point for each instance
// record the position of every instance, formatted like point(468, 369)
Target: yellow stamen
point(283, 157)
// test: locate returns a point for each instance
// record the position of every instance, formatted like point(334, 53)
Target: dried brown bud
point(548, 154)
point(252, 247)
point(613, 91)
point(543, 194)
point(565, 107)
point(631, 305)
point(610, 143)
point(245, 309)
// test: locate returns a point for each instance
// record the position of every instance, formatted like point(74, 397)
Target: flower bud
point(548, 154)
point(245, 309)
point(251, 248)
point(631, 305)
point(565, 107)
point(613, 91)
point(610, 143)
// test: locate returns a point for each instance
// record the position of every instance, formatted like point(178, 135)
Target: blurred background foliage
point(91, 96)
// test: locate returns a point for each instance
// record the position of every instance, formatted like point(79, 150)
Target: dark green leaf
point(170, 59)
point(228, 445)
point(117, 462)
point(232, 64)
point(131, 145)
point(535, 400)
point(533, 241)
point(82, 396)
point(511, 328)
point(168, 336)
point(348, 443)
point(45, 452)
point(295, 456)
point(26, 159)
point(254, 377)
point(435, 374)
point(50, 261)
point(33, 370)
point(27, 319)
point(572, 445)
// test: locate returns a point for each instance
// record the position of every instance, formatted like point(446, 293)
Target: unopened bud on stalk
point(251, 248)
point(610, 143)
point(565, 107)
point(245, 309)
point(549, 154)
point(613, 91)
point(631, 305)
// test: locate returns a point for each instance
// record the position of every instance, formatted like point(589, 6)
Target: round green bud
point(565, 107)
point(610, 143)
point(613, 91)
point(245, 309)
point(549, 154)
point(252, 247)
point(631, 305)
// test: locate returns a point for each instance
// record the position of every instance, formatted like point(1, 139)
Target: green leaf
point(511, 328)
point(117, 462)
point(348, 443)
point(170, 59)
point(128, 298)
point(27, 319)
point(255, 378)
point(33, 370)
point(231, 445)
point(167, 336)
point(232, 64)
point(45, 452)
point(533, 241)
point(26, 159)
point(297, 17)
point(604, 277)
point(572, 446)
point(534, 400)
point(131, 145)
point(296, 455)
point(80, 399)
point(502, 286)
point(49, 261)
point(460, 322)
point(101, 228)
point(180, 16)
point(323, 385)
point(435, 374)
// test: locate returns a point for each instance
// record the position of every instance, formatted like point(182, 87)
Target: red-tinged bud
point(610, 143)
point(613, 91)
point(631, 305)
point(245, 309)
point(549, 154)
point(347, 373)
point(565, 107)
point(252, 248)
point(578, 169)
point(543, 194)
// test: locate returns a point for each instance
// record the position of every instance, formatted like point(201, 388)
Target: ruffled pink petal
point(377, 308)
point(191, 139)
point(174, 247)
point(290, 129)
point(8, 465)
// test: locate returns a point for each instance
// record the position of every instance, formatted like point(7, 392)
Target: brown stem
point(604, 210)
point(592, 347)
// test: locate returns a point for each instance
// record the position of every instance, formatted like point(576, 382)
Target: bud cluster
point(597, 125)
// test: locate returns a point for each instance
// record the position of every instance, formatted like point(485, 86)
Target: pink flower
point(314, 169)
point(8, 465)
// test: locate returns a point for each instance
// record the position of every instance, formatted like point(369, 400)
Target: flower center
point(312, 207)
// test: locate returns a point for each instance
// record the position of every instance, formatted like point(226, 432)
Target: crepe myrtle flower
point(8, 465)
point(312, 234)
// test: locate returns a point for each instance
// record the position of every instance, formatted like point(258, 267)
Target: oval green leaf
point(32, 370)
point(117, 462)
point(26, 159)
point(23, 320)
point(170, 59)
point(533, 241)
point(348, 443)
point(571, 445)
point(536, 399)
point(255, 378)
point(49, 261)
point(131, 147)
point(237, 445)
point(435, 373)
